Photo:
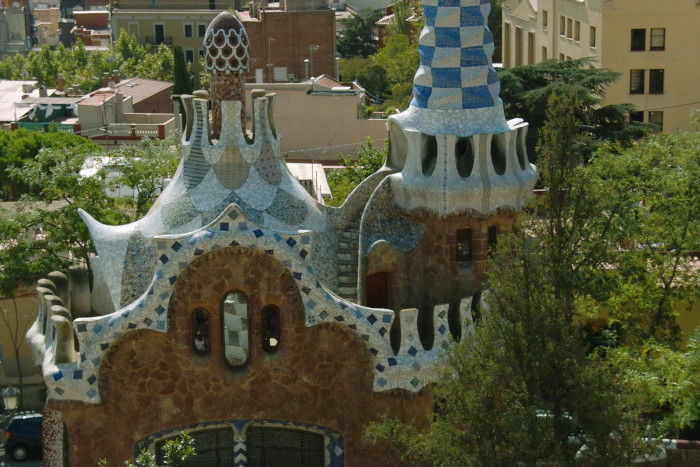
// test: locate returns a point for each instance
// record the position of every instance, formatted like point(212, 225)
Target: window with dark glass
point(657, 39)
point(636, 81)
point(201, 30)
point(271, 328)
point(636, 116)
point(562, 26)
point(189, 55)
point(188, 30)
point(639, 39)
point(273, 446)
point(656, 81)
point(464, 245)
point(235, 317)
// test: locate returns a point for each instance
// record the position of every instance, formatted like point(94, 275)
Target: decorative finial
point(226, 45)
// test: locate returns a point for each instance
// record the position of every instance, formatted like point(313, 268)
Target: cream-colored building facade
point(653, 44)
point(330, 123)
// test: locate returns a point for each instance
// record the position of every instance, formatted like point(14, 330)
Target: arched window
point(200, 330)
point(271, 328)
point(235, 318)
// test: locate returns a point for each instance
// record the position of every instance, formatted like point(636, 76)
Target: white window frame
point(184, 30)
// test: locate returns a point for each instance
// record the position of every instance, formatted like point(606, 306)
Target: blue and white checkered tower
point(453, 145)
point(456, 87)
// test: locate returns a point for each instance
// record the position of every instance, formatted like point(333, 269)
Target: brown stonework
point(443, 279)
point(152, 382)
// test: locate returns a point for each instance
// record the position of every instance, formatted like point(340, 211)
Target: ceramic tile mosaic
point(385, 220)
point(139, 267)
point(238, 193)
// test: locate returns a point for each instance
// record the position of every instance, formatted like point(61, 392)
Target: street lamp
point(269, 58)
point(312, 48)
point(9, 397)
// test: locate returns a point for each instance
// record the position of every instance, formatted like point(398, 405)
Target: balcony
point(157, 40)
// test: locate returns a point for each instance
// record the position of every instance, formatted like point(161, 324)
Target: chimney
point(60, 83)
point(105, 79)
point(43, 92)
point(116, 76)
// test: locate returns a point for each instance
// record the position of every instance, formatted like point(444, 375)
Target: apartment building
point(651, 43)
point(289, 40)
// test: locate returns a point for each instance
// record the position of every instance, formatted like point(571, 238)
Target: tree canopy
point(370, 158)
point(591, 249)
point(20, 146)
point(357, 38)
point(526, 89)
point(85, 69)
point(56, 189)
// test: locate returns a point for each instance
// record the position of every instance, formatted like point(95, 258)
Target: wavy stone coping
point(411, 369)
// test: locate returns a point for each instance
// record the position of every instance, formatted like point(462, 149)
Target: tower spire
point(455, 88)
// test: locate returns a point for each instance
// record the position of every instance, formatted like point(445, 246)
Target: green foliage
point(526, 90)
point(368, 73)
point(523, 387)
point(653, 190)
point(182, 78)
point(494, 23)
point(369, 159)
point(144, 168)
point(357, 37)
point(400, 24)
point(175, 453)
point(85, 69)
point(21, 145)
point(400, 59)
point(57, 190)
point(53, 177)
point(666, 382)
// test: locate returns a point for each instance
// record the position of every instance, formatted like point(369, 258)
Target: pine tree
point(181, 79)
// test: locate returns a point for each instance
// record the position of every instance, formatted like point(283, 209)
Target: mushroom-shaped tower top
point(226, 44)
point(456, 87)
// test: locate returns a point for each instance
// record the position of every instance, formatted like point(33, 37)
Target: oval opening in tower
point(521, 148)
point(428, 154)
point(426, 330)
point(271, 328)
point(464, 156)
point(454, 320)
point(498, 153)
